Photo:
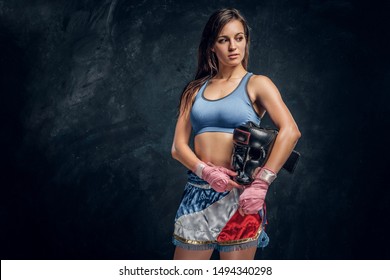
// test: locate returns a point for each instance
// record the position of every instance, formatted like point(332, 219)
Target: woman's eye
point(222, 41)
point(239, 39)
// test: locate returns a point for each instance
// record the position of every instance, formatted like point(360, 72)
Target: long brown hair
point(207, 60)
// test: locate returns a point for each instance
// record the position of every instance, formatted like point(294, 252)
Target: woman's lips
point(232, 56)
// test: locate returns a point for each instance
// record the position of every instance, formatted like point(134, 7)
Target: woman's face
point(230, 44)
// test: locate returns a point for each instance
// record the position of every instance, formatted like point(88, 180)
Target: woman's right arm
point(218, 177)
point(181, 150)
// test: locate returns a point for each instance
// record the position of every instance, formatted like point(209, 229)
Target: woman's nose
point(232, 45)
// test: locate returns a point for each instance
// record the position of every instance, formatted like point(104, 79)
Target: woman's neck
point(226, 73)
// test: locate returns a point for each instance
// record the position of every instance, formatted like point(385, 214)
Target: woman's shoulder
point(258, 80)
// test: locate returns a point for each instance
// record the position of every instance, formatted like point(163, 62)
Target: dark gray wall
point(89, 91)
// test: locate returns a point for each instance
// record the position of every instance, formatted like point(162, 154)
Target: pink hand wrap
point(252, 198)
point(217, 176)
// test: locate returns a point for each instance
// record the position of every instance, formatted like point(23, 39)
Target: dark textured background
point(89, 91)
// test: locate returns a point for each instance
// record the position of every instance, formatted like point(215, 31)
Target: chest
point(218, 90)
point(228, 111)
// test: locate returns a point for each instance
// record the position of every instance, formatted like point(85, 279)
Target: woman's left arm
point(268, 97)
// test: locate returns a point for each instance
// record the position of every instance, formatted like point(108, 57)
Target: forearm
point(284, 144)
point(184, 154)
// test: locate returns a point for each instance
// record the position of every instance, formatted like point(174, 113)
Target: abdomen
point(214, 147)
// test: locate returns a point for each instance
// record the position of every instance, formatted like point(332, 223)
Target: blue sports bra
point(224, 114)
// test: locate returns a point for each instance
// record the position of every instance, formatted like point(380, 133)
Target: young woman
point(215, 211)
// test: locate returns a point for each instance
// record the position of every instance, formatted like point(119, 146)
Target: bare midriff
point(214, 147)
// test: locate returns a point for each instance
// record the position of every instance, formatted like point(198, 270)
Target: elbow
point(174, 152)
point(297, 134)
point(177, 150)
point(292, 133)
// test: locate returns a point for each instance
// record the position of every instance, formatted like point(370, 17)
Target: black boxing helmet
point(252, 146)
